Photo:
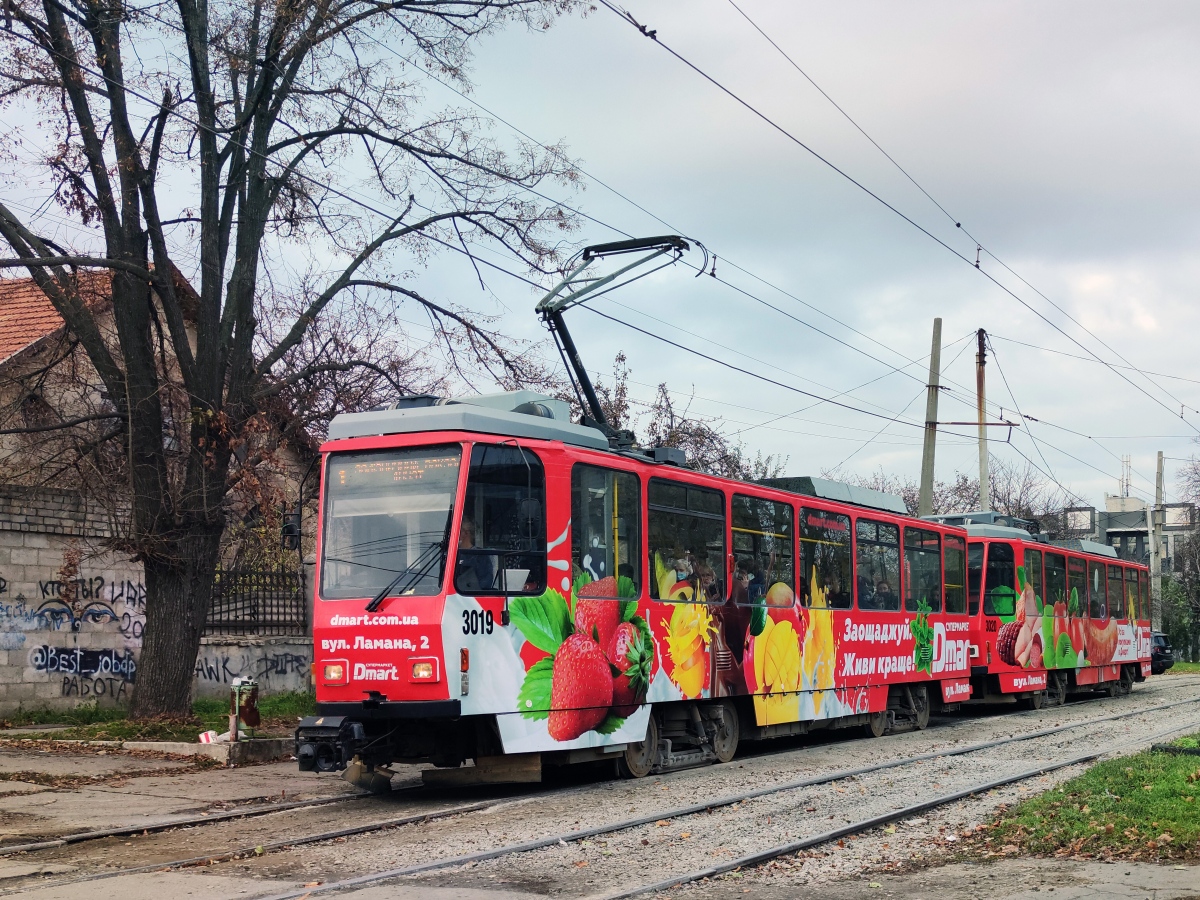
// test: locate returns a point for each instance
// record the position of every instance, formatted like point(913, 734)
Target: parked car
point(1162, 657)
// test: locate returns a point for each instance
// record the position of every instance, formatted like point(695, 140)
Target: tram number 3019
point(478, 621)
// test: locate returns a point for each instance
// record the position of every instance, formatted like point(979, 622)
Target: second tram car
point(494, 580)
point(1048, 620)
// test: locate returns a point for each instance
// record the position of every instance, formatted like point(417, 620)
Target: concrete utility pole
point(1154, 526)
point(925, 503)
point(985, 499)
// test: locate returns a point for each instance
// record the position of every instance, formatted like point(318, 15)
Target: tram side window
point(877, 552)
point(1056, 583)
point(1033, 571)
point(1144, 593)
point(954, 565)
point(923, 568)
point(606, 530)
point(1116, 592)
point(762, 547)
point(974, 576)
point(825, 565)
point(502, 538)
point(1076, 587)
point(1097, 601)
point(1131, 594)
point(686, 530)
point(999, 597)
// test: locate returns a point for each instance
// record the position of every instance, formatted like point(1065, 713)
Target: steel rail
point(576, 835)
point(255, 811)
point(259, 849)
point(861, 825)
point(728, 800)
point(242, 812)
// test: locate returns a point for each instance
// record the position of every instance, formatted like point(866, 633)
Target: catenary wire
point(381, 213)
point(1000, 337)
point(957, 224)
point(886, 425)
point(653, 36)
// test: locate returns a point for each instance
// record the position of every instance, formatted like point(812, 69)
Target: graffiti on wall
point(222, 668)
point(86, 673)
point(80, 604)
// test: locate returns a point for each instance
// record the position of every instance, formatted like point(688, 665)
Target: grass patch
point(279, 714)
point(87, 714)
point(1184, 668)
point(1145, 806)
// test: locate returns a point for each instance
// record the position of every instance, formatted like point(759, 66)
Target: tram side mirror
point(290, 532)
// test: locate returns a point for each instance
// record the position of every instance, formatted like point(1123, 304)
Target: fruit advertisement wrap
point(587, 656)
point(807, 663)
point(1060, 635)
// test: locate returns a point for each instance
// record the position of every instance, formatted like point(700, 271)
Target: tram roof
point(839, 491)
point(522, 414)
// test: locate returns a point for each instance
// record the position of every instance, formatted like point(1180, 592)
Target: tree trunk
point(178, 591)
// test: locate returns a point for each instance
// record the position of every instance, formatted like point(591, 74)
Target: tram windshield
point(386, 512)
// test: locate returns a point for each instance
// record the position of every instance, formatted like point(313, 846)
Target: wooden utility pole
point(925, 503)
point(985, 500)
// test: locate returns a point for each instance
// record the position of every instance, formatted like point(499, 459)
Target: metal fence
point(257, 603)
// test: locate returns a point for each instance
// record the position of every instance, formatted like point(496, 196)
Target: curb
point(254, 750)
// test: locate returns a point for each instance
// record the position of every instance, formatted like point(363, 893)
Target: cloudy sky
point(1063, 137)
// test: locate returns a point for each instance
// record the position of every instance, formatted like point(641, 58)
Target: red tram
point(493, 579)
point(1054, 619)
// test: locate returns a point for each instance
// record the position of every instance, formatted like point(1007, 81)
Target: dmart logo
point(375, 672)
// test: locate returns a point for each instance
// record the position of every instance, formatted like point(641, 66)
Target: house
point(72, 609)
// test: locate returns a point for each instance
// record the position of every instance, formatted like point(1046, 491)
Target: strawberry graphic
point(597, 616)
point(632, 655)
point(581, 688)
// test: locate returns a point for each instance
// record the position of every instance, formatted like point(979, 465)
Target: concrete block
point(35, 540)
point(50, 558)
point(24, 556)
point(14, 674)
point(27, 692)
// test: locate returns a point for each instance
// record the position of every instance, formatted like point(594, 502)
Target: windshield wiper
point(418, 570)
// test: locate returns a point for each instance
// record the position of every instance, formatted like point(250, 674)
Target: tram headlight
point(334, 673)
point(424, 670)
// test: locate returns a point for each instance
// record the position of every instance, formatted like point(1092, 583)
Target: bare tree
point(703, 442)
point(261, 148)
point(1188, 478)
point(1020, 491)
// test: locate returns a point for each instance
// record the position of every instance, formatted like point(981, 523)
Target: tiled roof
point(26, 315)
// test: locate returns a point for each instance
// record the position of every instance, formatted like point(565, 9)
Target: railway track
point(577, 835)
point(868, 824)
point(259, 810)
point(243, 812)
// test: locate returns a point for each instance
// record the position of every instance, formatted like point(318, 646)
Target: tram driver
point(475, 573)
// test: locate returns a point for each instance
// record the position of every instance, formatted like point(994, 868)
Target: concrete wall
point(277, 664)
point(71, 619)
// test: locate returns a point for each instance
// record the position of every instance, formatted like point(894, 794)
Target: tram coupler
point(328, 743)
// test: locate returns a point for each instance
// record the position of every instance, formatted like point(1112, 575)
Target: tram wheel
point(725, 741)
point(877, 723)
point(920, 697)
point(1037, 699)
point(1056, 689)
point(638, 759)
